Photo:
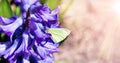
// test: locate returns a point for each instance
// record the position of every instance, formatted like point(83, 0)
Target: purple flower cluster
point(29, 42)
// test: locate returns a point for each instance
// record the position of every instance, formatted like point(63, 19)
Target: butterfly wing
point(58, 34)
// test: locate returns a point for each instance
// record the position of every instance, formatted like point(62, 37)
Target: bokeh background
point(95, 32)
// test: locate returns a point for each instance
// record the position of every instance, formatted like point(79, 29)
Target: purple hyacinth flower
point(29, 41)
point(42, 13)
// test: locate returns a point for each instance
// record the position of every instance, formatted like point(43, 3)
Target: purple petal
point(25, 4)
point(39, 34)
point(30, 2)
point(41, 51)
point(54, 24)
point(24, 45)
point(49, 16)
point(25, 60)
point(10, 28)
point(33, 52)
point(51, 48)
point(11, 50)
point(55, 11)
point(49, 60)
point(33, 25)
point(25, 41)
point(42, 11)
point(3, 47)
point(5, 21)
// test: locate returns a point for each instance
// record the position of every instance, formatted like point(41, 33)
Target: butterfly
point(58, 34)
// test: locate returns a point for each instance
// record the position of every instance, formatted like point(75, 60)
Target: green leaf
point(5, 9)
point(43, 1)
point(3, 37)
point(58, 34)
point(52, 3)
point(17, 11)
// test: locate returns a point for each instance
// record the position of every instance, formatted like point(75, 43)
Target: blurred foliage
point(4, 38)
point(5, 9)
point(17, 11)
point(51, 3)
point(43, 1)
point(65, 10)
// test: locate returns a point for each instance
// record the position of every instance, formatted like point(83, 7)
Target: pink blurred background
point(95, 32)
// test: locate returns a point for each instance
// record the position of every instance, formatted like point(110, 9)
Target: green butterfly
point(58, 34)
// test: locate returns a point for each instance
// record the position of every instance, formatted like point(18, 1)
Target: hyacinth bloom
point(29, 41)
